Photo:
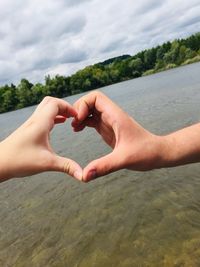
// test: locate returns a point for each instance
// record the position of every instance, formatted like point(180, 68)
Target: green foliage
point(58, 86)
point(114, 59)
point(191, 60)
point(38, 91)
point(113, 70)
point(136, 66)
point(150, 58)
point(8, 98)
point(148, 72)
point(24, 94)
point(192, 42)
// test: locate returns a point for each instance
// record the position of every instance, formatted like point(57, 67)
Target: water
point(126, 219)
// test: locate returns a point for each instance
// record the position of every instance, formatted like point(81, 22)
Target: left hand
point(27, 151)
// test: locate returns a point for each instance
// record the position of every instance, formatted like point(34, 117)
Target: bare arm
point(181, 147)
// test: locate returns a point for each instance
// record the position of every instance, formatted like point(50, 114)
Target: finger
point(79, 128)
point(55, 106)
point(83, 110)
point(102, 166)
point(59, 119)
point(85, 105)
point(96, 102)
point(89, 122)
point(68, 166)
point(75, 122)
point(50, 108)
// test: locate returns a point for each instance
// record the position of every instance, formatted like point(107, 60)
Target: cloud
point(75, 2)
point(191, 18)
point(60, 37)
point(148, 5)
point(112, 45)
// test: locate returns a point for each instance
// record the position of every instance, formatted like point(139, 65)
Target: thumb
point(68, 166)
point(102, 166)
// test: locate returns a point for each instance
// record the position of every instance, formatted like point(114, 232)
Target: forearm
point(181, 147)
point(5, 163)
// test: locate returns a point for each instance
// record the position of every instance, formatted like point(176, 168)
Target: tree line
point(159, 58)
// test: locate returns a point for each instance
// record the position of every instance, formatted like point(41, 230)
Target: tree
point(38, 92)
point(193, 42)
point(173, 54)
point(24, 94)
point(8, 98)
point(59, 86)
point(114, 75)
point(136, 66)
point(150, 58)
point(160, 53)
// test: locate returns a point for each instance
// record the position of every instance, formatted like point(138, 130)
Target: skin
point(133, 147)
point(27, 151)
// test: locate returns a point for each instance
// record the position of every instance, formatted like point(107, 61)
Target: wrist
point(152, 154)
point(168, 152)
point(179, 148)
point(159, 153)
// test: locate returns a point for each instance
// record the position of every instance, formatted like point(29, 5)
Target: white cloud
point(60, 37)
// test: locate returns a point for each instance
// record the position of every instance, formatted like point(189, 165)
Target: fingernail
point(78, 175)
point(91, 175)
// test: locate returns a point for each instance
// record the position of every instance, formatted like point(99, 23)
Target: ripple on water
point(126, 219)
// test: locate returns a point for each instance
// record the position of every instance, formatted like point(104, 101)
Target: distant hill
point(114, 59)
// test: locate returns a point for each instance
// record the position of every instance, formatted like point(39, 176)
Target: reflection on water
point(126, 219)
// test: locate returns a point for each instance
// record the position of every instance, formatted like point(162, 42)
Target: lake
point(125, 219)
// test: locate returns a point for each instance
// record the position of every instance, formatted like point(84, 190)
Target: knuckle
point(96, 93)
point(76, 104)
point(67, 167)
point(86, 103)
point(47, 99)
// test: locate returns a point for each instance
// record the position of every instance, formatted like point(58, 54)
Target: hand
point(27, 151)
point(133, 147)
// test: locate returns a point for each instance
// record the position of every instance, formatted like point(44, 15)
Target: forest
point(162, 57)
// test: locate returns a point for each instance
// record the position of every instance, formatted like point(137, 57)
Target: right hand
point(133, 147)
point(27, 150)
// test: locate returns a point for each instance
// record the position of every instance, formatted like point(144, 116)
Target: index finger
point(52, 107)
point(95, 101)
point(84, 106)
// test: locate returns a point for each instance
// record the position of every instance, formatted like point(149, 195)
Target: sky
point(48, 37)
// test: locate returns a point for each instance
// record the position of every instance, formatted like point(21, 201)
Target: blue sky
point(59, 37)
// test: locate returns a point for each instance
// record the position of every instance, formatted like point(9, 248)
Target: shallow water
point(126, 219)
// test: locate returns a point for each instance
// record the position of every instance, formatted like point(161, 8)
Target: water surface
point(125, 219)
